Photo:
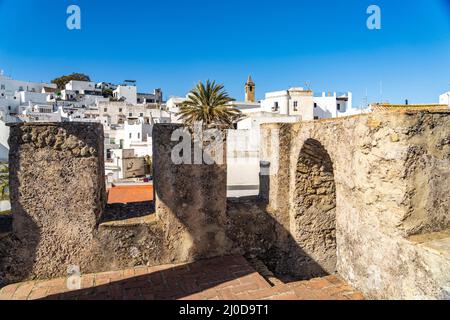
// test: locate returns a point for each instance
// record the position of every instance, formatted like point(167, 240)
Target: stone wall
point(392, 178)
point(57, 190)
point(365, 195)
point(314, 212)
point(190, 198)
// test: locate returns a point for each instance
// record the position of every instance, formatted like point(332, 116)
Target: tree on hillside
point(209, 104)
point(107, 93)
point(63, 80)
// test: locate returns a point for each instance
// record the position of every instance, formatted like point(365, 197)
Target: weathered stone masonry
point(364, 196)
point(392, 181)
point(57, 194)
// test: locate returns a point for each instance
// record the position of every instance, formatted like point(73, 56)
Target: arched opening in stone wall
point(314, 212)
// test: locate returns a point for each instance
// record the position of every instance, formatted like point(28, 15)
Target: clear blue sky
point(173, 44)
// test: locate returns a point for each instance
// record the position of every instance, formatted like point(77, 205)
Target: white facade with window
point(332, 105)
point(293, 102)
point(82, 87)
point(9, 86)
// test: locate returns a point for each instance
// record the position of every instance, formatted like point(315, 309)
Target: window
point(120, 109)
point(130, 114)
point(2, 87)
point(139, 135)
point(130, 135)
point(275, 106)
point(20, 88)
point(105, 109)
point(339, 107)
point(315, 105)
point(316, 118)
point(295, 105)
point(141, 114)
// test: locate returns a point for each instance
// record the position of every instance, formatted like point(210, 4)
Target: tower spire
point(250, 90)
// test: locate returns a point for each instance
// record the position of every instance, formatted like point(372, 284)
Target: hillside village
point(128, 117)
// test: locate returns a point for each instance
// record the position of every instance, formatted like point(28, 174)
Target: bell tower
point(250, 90)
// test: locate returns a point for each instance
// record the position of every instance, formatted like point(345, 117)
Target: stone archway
point(313, 214)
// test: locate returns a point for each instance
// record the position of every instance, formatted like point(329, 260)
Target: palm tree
point(209, 104)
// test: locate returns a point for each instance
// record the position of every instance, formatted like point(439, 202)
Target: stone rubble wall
point(57, 190)
point(190, 199)
point(392, 178)
point(343, 194)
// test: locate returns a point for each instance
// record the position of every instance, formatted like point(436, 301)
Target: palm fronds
point(209, 104)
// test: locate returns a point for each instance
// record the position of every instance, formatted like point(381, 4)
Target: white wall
point(81, 86)
point(243, 156)
point(295, 102)
point(445, 98)
point(326, 105)
point(247, 107)
point(9, 86)
point(129, 93)
point(25, 96)
point(4, 147)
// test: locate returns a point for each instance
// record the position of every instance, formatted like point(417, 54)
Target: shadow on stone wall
point(18, 252)
point(255, 233)
point(194, 219)
point(199, 223)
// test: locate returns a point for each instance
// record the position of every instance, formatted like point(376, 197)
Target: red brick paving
point(225, 278)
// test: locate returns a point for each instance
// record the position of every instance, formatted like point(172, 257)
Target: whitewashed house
point(293, 102)
point(127, 93)
point(333, 105)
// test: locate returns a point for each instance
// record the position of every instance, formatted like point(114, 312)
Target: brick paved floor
point(227, 278)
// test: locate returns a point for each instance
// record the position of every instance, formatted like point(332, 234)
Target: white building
point(147, 98)
point(106, 86)
point(14, 93)
point(4, 146)
point(247, 107)
point(123, 164)
point(127, 93)
point(9, 86)
point(293, 102)
point(82, 87)
point(117, 112)
point(445, 99)
point(333, 105)
point(243, 152)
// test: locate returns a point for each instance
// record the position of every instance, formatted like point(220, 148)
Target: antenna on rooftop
point(366, 99)
point(308, 85)
point(381, 91)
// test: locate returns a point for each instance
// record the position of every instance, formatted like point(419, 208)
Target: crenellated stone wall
point(364, 196)
point(391, 178)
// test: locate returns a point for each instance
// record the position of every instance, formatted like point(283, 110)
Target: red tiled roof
point(130, 194)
